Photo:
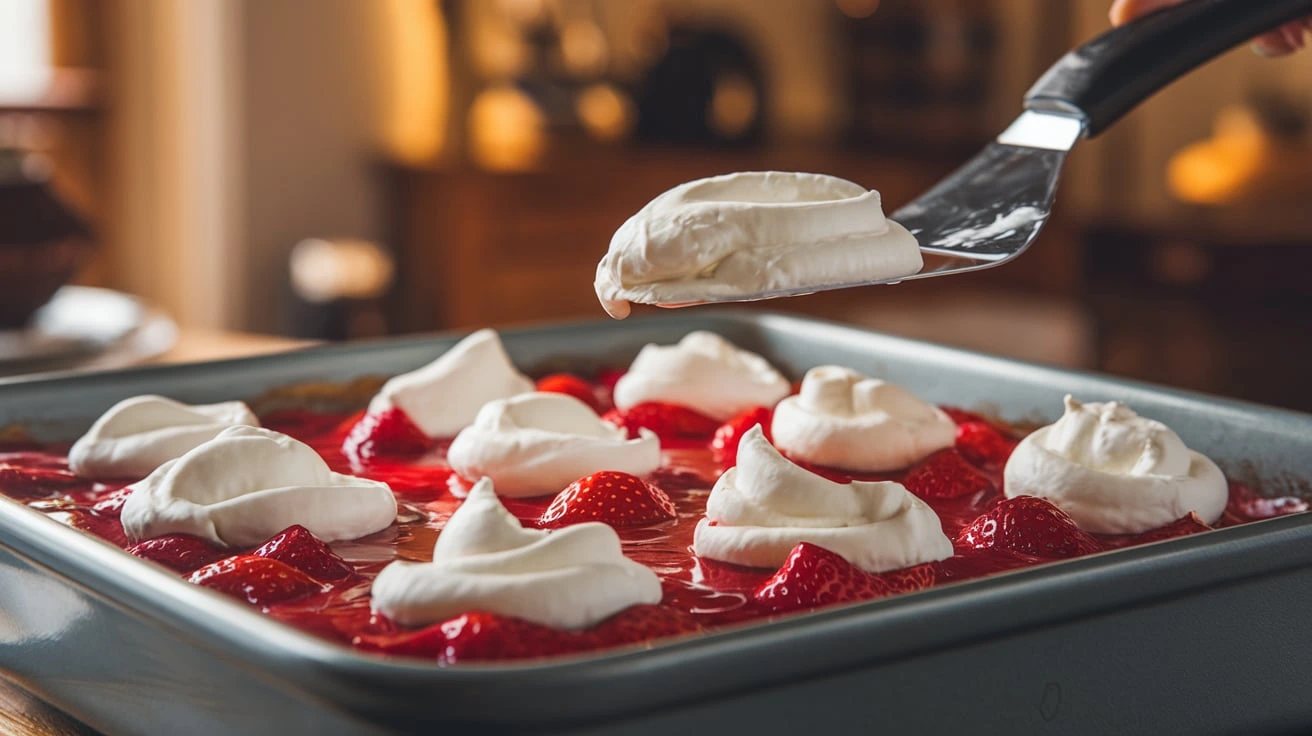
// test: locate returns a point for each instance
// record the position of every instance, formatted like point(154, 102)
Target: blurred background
point(330, 169)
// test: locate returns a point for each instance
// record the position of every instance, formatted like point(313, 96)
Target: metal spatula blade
point(990, 210)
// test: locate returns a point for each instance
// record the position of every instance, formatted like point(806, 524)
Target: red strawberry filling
point(324, 589)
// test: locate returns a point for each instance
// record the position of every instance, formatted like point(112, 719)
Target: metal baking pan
point(1206, 634)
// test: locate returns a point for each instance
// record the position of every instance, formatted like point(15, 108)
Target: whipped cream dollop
point(843, 419)
point(485, 560)
point(1114, 471)
point(142, 433)
point(538, 443)
point(704, 372)
point(246, 485)
point(746, 233)
point(444, 396)
point(765, 505)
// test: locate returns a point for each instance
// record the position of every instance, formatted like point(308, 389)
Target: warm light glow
point(1224, 168)
point(324, 270)
point(858, 8)
point(498, 52)
point(583, 48)
point(523, 11)
point(605, 112)
point(733, 106)
point(507, 131)
point(414, 87)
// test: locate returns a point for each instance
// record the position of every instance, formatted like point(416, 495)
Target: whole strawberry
point(724, 445)
point(1030, 526)
point(297, 547)
point(668, 421)
point(389, 432)
point(812, 576)
point(945, 474)
point(615, 498)
point(570, 385)
point(982, 444)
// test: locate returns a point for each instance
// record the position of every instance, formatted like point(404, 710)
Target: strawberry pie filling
point(329, 589)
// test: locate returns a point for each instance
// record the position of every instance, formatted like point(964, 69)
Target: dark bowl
point(43, 242)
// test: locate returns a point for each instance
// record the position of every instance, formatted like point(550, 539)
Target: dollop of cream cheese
point(751, 232)
point(139, 434)
point(538, 443)
point(704, 372)
point(444, 396)
point(763, 507)
point(485, 560)
point(246, 485)
point(1114, 471)
point(842, 419)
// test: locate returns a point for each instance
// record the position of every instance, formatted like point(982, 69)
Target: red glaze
point(698, 594)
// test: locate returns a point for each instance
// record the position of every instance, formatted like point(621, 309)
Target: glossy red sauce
point(715, 593)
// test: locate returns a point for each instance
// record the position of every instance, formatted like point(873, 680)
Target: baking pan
point(1205, 634)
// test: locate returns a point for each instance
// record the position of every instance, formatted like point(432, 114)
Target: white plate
point(83, 328)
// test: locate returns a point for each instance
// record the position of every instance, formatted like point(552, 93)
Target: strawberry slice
point(1182, 527)
point(570, 385)
point(724, 445)
point(813, 576)
point(257, 580)
point(488, 636)
point(22, 481)
point(981, 443)
point(946, 474)
point(618, 499)
point(180, 552)
point(388, 432)
point(1030, 526)
point(668, 421)
point(298, 548)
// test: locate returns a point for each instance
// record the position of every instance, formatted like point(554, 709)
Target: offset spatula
point(990, 210)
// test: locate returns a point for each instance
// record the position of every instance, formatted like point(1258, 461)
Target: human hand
point(1287, 39)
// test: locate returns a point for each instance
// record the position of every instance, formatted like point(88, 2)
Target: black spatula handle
point(1108, 76)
